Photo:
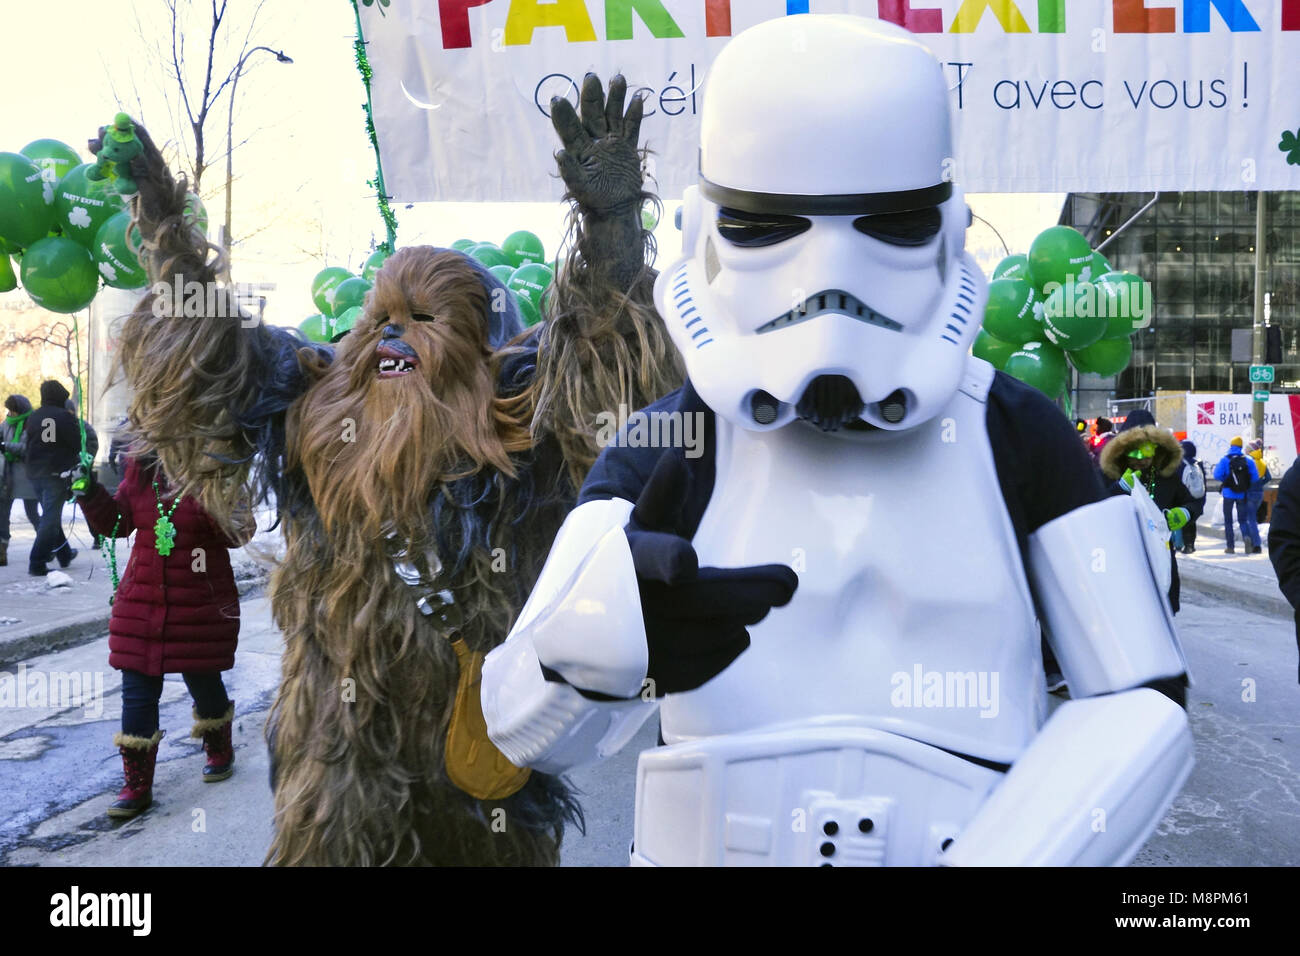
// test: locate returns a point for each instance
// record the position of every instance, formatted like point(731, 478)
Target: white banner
point(1111, 95)
point(1214, 420)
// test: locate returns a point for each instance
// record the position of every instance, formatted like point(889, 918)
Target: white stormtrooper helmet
point(824, 275)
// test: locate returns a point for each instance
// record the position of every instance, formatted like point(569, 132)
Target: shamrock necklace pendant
point(164, 532)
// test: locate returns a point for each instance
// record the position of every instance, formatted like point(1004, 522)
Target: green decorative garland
point(363, 67)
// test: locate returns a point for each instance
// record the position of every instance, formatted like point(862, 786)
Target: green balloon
point(1106, 357)
point(344, 323)
point(350, 294)
point(1040, 365)
point(373, 263)
point(1013, 267)
point(522, 248)
point(530, 282)
point(1071, 316)
point(1098, 267)
point(1127, 300)
point(119, 266)
point(81, 207)
point(25, 212)
point(648, 218)
point(1009, 314)
point(8, 281)
point(994, 351)
point(503, 273)
point(1057, 254)
point(325, 285)
point(464, 245)
point(59, 274)
point(313, 327)
point(489, 255)
point(55, 159)
point(527, 311)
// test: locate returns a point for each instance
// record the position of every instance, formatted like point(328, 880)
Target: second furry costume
point(418, 498)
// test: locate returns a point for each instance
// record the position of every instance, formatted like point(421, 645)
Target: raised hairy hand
point(600, 161)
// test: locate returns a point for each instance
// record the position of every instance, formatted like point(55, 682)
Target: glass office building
point(1197, 250)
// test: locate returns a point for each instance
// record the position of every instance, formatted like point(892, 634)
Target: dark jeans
point(1245, 518)
point(49, 533)
point(29, 505)
point(140, 693)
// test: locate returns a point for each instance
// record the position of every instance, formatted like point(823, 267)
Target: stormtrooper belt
point(473, 762)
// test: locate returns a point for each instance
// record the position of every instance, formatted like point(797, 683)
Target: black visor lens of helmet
point(749, 230)
point(915, 227)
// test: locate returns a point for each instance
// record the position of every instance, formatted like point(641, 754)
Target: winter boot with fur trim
point(215, 734)
point(139, 756)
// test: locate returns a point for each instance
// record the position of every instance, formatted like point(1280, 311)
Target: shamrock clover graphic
point(1291, 146)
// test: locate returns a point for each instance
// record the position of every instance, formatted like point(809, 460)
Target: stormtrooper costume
point(888, 704)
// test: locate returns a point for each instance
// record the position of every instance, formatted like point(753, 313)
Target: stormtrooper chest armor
point(912, 614)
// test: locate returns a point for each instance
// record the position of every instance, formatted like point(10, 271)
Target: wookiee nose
point(392, 332)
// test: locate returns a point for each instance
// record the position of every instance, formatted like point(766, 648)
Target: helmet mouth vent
point(834, 301)
point(830, 402)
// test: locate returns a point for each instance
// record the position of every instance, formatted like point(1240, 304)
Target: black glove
point(695, 618)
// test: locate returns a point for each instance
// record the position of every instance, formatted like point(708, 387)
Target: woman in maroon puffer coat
point(176, 611)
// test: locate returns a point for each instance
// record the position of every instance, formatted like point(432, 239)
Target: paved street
point(1240, 807)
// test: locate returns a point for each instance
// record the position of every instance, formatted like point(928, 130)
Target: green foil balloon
point(8, 281)
point(994, 351)
point(1107, 357)
point(350, 294)
point(464, 245)
point(59, 274)
point(314, 328)
point(1013, 267)
point(530, 282)
point(372, 264)
point(1040, 365)
point(54, 158)
point(522, 248)
point(1056, 254)
point(325, 285)
point(489, 255)
point(119, 266)
point(81, 207)
point(1071, 316)
point(1009, 314)
point(25, 214)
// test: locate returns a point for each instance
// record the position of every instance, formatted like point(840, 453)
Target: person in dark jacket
point(1284, 541)
point(176, 610)
point(1103, 432)
point(53, 447)
point(1236, 498)
point(1143, 452)
point(14, 482)
point(1194, 479)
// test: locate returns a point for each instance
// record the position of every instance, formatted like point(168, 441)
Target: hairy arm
point(195, 362)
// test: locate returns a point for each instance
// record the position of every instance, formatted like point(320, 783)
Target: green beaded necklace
point(164, 531)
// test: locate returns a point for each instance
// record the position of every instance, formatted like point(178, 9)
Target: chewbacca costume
point(420, 486)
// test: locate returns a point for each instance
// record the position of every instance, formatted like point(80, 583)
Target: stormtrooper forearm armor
point(565, 687)
point(1104, 769)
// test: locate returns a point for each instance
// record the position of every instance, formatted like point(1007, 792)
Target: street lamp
point(226, 234)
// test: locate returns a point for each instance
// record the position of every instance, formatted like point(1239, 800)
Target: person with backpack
point(1255, 497)
point(1237, 472)
point(1194, 479)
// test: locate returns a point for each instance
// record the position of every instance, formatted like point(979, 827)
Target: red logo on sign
point(1205, 413)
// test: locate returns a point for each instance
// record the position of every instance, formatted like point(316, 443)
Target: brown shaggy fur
point(1169, 454)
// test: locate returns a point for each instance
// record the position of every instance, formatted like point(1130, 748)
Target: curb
point(88, 627)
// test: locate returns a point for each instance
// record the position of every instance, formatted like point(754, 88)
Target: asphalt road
point(59, 769)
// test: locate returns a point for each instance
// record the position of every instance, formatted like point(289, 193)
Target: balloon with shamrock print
point(315, 328)
point(119, 266)
point(530, 282)
point(1128, 302)
point(1071, 318)
point(1010, 313)
point(1058, 254)
point(1040, 365)
point(1013, 267)
point(993, 350)
point(59, 274)
point(373, 263)
point(350, 294)
point(489, 255)
point(1105, 357)
point(325, 285)
point(522, 248)
point(55, 160)
point(81, 206)
point(25, 214)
